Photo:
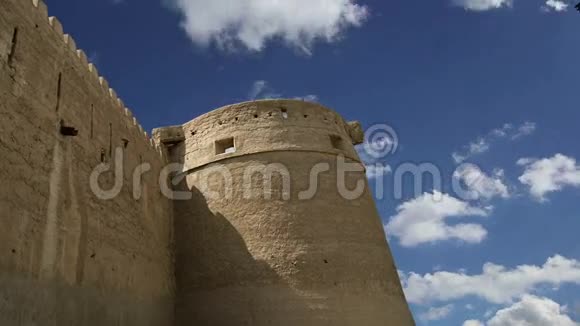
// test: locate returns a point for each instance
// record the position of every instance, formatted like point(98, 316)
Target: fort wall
point(66, 256)
point(69, 256)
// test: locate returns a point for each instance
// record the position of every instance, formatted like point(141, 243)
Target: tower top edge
point(289, 104)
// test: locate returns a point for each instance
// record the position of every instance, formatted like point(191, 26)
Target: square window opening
point(225, 146)
point(337, 142)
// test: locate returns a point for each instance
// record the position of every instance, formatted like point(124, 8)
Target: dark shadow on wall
point(219, 282)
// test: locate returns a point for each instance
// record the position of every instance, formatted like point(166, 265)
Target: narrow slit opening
point(58, 91)
point(92, 120)
point(110, 140)
point(13, 46)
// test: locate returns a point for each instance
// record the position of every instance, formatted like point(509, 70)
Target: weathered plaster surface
point(245, 256)
point(67, 257)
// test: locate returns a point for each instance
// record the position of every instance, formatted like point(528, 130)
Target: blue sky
point(495, 82)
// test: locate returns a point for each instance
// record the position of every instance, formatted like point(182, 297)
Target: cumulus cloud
point(479, 185)
point(252, 23)
point(436, 313)
point(532, 311)
point(483, 144)
point(496, 284)
point(549, 174)
point(529, 311)
point(483, 5)
point(425, 220)
point(556, 5)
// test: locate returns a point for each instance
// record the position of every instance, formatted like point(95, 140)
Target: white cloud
point(556, 5)
point(496, 283)
point(436, 313)
point(483, 5)
point(257, 88)
point(483, 144)
point(253, 23)
point(261, 89)
point(525, 129)
point(503, 131)
point(472, 323)
point(424, 220)
point(377, 170)
point(480, 185)
point(549, 174)
point(532, 311)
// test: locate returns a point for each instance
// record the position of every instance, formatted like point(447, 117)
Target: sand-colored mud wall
point(248, 254)
point(66, 256)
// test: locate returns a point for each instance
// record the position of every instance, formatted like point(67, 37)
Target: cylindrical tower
point(268, 237)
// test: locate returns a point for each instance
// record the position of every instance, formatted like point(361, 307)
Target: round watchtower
point(269, 237)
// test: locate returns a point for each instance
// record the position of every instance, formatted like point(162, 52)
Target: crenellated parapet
point(86, 67)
